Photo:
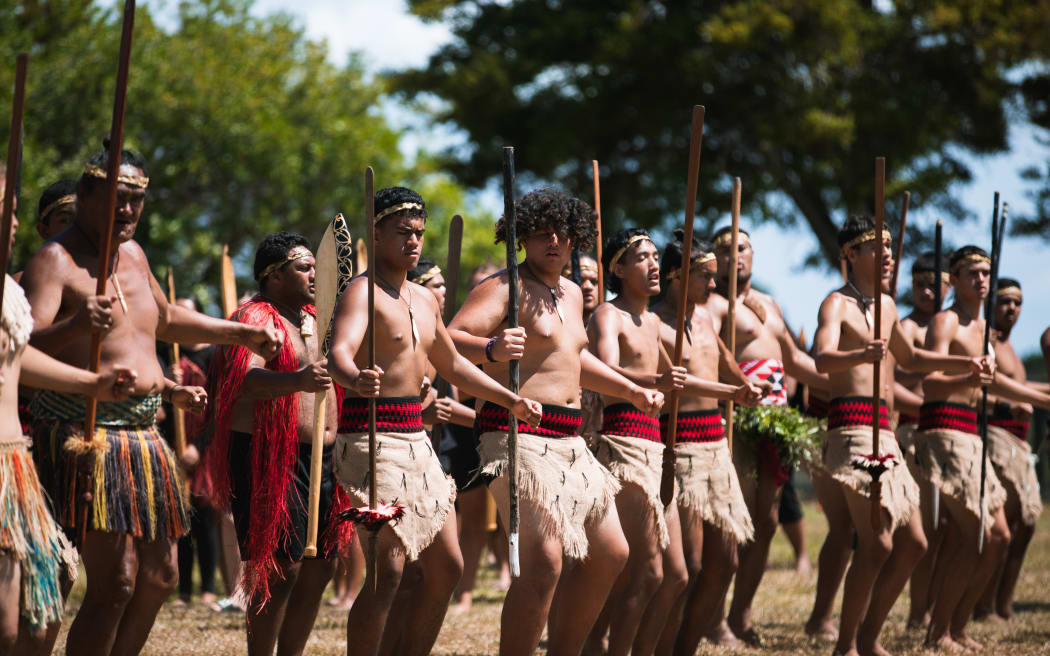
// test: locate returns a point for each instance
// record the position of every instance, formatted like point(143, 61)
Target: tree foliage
point(245, 126)
point(801, 95)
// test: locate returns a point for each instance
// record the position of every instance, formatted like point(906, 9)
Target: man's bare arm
point(479, 317)
point(906, 401)
point(797, 363)
point(939, 336)
point(828, 358)
point(914, 358)
point(41, 371)
point(348, 335)
point(1009, 388)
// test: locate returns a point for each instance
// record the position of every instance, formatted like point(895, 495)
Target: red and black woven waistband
point(946, 415)
point(855, 411)
point(394, 414)
point(625, 419)
point(1018, 428)
point(904, 419)
point(817, 407)
point(558, 421)
point(696, 426)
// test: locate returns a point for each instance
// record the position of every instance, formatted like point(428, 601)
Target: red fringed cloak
point(274, 448)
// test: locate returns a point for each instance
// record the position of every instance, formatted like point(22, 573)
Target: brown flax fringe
point(1011, 458)
point(637, 461)
point(951, 460)
point(708, 488)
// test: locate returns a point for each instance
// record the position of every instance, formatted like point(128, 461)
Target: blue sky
point(388, 37)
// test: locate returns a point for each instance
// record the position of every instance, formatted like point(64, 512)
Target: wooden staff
point(362, 254)
point(844, 270)
point(734, 258)
point(695, 137)
point(805, 388)
point(989, 319)
point(900, 244)
point(228, 283)
point(876, 395)
point(509, 220)
point(598, 221)
point(935, 497)
point(179, 417)
point(14, 165)
point(116, 145)
point(455, 249)
point(370, 235)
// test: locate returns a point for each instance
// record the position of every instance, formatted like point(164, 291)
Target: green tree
point(801, 95)
point(245, 125)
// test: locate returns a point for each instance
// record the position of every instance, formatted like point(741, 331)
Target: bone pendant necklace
point(411, 310)
point(552, 290)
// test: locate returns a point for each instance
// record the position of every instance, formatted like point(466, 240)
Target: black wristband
point(488, 349)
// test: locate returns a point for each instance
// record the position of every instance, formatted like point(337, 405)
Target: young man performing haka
point(714, 517)
point(572, 547)
point(626, 335)
point(408, 332)
point(1011, 455)
point(260, 457)
point(765, 351)
point(590, 401)
point(137, 505)
point(844, 349)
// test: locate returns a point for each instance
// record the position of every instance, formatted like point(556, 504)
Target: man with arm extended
point(572, 546)
point(408, 332)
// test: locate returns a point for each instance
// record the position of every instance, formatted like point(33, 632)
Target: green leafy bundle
point(796, 436)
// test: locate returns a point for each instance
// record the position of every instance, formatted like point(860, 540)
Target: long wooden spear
point(900, 244)
point(935, 497)
point(876, 394)
point(116, 145)
point(178, 415)
point(14, 165)
point(370, 236)
point(598, 220)
point(509, 221)
point(455, 249)
point(695, 136)
point(734, 258)
point(989, 319)
point(228, 282)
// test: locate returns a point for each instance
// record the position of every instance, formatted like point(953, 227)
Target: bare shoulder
point(834, 302)
point(889, 306)
point(717, 304)
point(944, 322)
point(50, 264)
point(421, 294)
point(572, 290)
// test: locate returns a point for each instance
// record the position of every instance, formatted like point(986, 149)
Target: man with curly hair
point(765, 351)
point(714, 517)
point(572, 546)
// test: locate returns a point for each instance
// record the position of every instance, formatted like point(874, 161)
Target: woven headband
point(567, 271)
point(126, 178)
point(861, 238)
point(970, 259)
point(697, 261)
point(297, 253)
point(633, 240)
point(68, 199)
point(430, 273)
point(927, 277)
point(1012, 289)
point(726, 239)
point(393, 209)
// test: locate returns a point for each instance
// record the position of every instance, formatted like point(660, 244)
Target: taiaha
point(329, 282)
point(695, 137)
point(116, 145)
point(900, 244)
point(734, 258)
point(511, 237)
point(802, 347)
point(455, 248)
point(598, 222)
point(228, 283)
point(935, 497)
point(179, 417)
point(989, 319)
point(361, 255)
point(14, 165)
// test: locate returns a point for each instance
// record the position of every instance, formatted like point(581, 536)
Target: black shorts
point(298, 495)
point(790, 510)
point(458, 453)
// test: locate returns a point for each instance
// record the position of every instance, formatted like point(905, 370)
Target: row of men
point(600, 553)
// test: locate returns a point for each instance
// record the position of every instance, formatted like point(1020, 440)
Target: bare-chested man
point(844, 349)
point(408, 332)
point(264, 422)
point(765, 351)
point(714, 518)
point(1011, 455)
point(948, 453)
point(137, 506)
point(625, 334)
point(572, 546)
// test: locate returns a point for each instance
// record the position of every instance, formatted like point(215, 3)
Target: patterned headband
point(726, 239)
point(861, 238)
point(297, 253)
point(927, 277)
point(128, 179)
point(68, 199)
point(970, 259)
point(630, 242)
point(697, 261)
point(430, 273)
point(393, 209)
point(1011, 289)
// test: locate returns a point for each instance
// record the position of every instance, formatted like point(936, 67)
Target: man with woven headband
point(625, 334)
point(713, 517)
point(259, 460)
point(408, 332)
point(588, 283)
point(133, 525)
point(948, 452)
point(844, 348)
point(572, 546)
point(765, 351)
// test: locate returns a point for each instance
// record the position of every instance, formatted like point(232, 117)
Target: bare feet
point(967, 642)
point(875, 649)
point(802, 566)
point(210, 601)
point(916, 623)
point(750, 637)
point(503, 580)
point(945, 643)
point(824, 631)
point(466, 600)
point(721, 636)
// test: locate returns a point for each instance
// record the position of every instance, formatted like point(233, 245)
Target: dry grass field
point(783, 602)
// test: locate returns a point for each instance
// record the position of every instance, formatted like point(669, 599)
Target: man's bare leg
point(922, 585)
point(301, 608)
point(676, 577)
point(264, 624)
point(530, 595)
point(157, 578)
point(996, 541)
point(229, 552)
point(1021, 538)
point(702, 614)
point(366, 621)
point(584, 586)
point(640, 578)
point(441, 565)
point(796, 535)
point(692, 528)
point(909, 545)
point(834, 557)
point(762, 502)
point(472, 535)
point(872, 551)
point(10, 600)
point(111, 563)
